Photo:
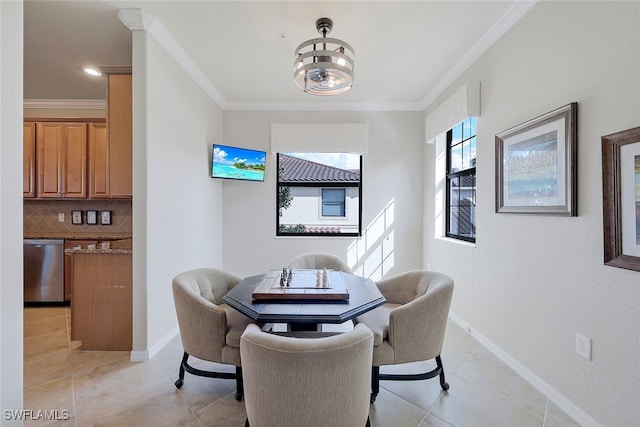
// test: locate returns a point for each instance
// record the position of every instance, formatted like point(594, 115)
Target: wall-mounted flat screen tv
point(237, 163)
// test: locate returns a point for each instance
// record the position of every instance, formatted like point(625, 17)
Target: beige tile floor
point(106, 389)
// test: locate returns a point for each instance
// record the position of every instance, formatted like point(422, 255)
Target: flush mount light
point(92, 71)
point(324, 66)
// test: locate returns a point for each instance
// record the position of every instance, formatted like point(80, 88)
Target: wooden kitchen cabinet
point(120, 135)
point(98, 161)
point(68, 274)
point(29, 160)
point(101, 303)
point(61, 158)
point(68, 264)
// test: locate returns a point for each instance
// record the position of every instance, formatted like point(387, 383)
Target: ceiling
point(407, 53)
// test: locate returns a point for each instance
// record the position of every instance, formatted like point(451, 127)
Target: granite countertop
point(77, 236)
point(98, 251)
point(120, 243)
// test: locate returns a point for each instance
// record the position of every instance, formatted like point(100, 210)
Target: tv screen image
point(237, 163)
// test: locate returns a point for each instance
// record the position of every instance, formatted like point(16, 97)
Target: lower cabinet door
point(101, 306)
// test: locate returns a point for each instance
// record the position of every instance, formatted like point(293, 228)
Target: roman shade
point(320, 138)
point(463, 103)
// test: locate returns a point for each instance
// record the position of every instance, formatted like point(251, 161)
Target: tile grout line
point(546, 411)
point(184, 401)
point(451, 380)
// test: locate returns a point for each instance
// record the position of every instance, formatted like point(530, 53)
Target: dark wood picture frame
point(563, 121)
point(612, 198)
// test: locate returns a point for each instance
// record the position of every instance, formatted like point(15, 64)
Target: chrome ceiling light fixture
point(324, 66)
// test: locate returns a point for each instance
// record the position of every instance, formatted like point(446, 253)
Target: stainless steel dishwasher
point(43, 270)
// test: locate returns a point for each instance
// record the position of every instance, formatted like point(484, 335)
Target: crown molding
point(329, 106)
point(136, 19)
point(71, 104)
point(508, 19)
point(115, 69)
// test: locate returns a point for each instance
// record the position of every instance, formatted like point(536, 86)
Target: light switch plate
point(61, 217)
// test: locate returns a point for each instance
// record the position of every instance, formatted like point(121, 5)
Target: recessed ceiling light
point(92, 71)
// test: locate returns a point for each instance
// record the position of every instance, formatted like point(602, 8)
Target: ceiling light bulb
point(92, 71)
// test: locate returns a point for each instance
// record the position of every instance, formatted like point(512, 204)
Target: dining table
point(304, 313)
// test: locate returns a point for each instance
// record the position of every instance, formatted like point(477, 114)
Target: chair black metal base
point(376, 376)
point(184, 366)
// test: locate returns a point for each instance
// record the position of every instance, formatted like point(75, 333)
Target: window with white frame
point(319, 194)
point(333, 202)
point(461, 181)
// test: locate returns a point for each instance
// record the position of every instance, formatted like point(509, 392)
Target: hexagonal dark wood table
point(305, 314)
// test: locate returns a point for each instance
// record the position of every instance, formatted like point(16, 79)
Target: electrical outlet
point(583, 346)
point(61, 217)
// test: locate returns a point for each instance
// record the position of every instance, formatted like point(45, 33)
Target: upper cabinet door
point(29, 159)
point(98, 161)
point(74, 167)
point(61, 157)
point(119, 126)
point(50, 138)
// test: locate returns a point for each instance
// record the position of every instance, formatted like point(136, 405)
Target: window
point(319, 194)
point(333, 201)
point(461, 181)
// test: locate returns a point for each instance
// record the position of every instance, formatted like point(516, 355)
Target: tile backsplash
point(42, 216)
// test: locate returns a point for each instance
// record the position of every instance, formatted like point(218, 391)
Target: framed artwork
point(621, 198)
point(536, 165)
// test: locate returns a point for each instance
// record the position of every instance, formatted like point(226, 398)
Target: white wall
point(177, 207)
point(392, 172)
point(532, 282)
point(11, 208)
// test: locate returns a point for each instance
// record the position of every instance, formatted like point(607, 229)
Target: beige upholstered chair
point(210, 330)
point(410, 326)
point(307, 381)
point(318, 260)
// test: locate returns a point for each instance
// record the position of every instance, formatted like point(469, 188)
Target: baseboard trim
point(542, 386)
point(144, 355)
point(139, 356)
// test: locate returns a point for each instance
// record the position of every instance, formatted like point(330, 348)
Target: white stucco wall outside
point(306, 208)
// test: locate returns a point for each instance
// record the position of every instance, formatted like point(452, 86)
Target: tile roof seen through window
point(305, 171)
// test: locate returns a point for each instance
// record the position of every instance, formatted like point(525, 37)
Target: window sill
point(317, 236)
point(456, 241)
